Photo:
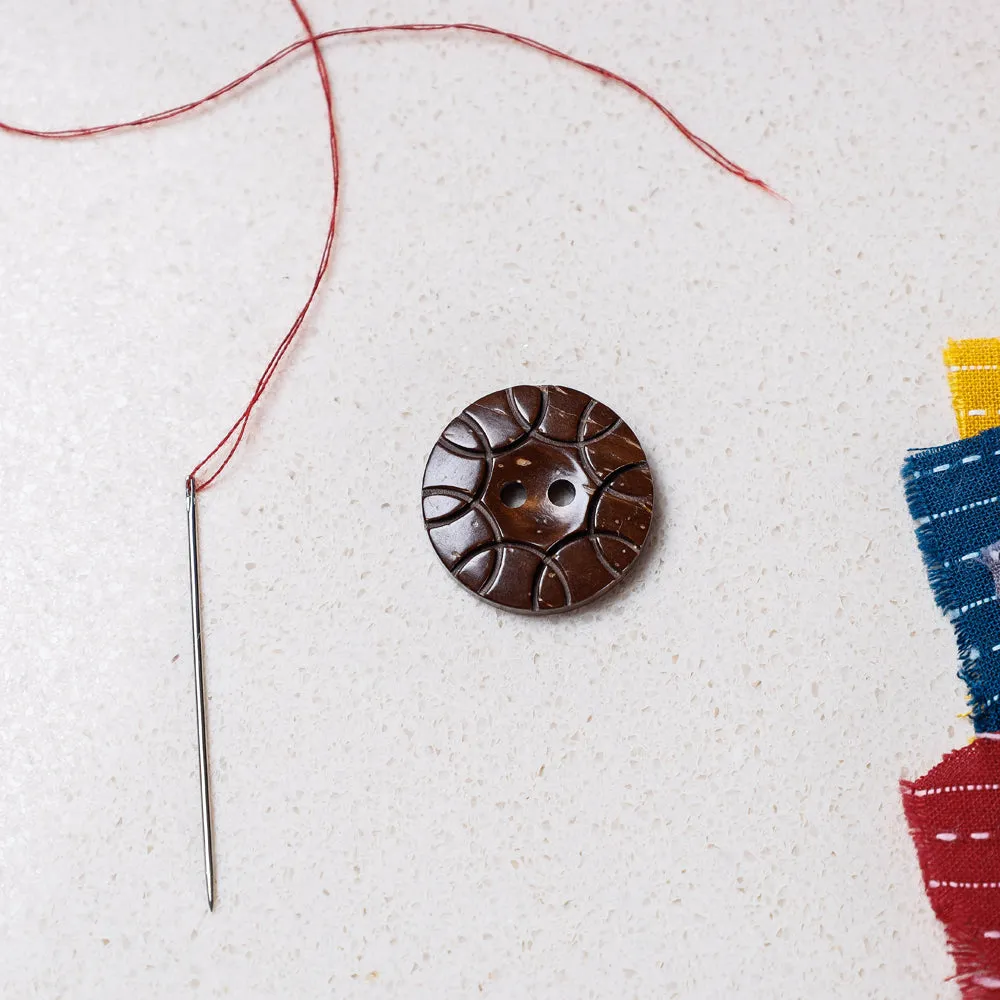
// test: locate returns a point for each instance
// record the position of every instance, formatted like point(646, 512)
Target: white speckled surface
point(688, 792)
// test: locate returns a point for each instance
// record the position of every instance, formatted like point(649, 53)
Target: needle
point(199, 689)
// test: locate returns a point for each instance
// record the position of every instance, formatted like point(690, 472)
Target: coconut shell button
point(537, 498)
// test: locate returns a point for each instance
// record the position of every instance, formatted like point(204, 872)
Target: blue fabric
point(954, 496)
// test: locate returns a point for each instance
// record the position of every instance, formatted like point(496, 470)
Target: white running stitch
point(968, 557)
point(947, 836)
point(981, 836)
point(917, 473)
point(968, 607)
point(955, 788)
point(968, 506)
point(991, 934)
point(935, 884)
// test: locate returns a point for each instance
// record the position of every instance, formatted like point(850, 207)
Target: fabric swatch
point(974, 378)
point(954, 817)
point(954, 497)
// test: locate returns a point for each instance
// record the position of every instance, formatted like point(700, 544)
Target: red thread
point(234, 435)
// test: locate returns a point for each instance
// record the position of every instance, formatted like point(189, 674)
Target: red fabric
point(954, 817)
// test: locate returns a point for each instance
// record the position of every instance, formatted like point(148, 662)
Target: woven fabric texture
point(954, 497)
point(974, 378)
point(954, 817)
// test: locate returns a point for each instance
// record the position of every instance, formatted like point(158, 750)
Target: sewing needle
point(199, 689)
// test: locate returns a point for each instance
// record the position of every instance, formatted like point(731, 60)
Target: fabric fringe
point(940, 579)
point(926, 536)
point(953, 814)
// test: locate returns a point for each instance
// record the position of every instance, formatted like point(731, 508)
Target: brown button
point(537, 498)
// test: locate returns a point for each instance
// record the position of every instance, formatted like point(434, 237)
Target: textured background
point(687, 792)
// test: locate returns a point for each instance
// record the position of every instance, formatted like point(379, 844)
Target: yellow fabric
point(974, 377)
